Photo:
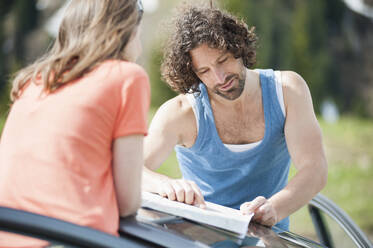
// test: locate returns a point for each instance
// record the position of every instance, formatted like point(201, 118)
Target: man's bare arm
point(304, 142)
point(173, 124)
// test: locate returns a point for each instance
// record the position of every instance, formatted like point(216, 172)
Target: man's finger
point(169, 190)
point(265, 208)
point(256, 203)
point(162, 193)
point(188, 191)
point(198, 197)
point(244, 206)
point(179, 190)
point(258, 215)
point(268, 219)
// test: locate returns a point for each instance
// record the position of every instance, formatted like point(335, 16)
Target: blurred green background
point(329, 43)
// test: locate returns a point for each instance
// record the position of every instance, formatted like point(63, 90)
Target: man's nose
point(218, 76)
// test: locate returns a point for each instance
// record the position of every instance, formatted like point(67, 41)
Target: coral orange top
point(56, 149)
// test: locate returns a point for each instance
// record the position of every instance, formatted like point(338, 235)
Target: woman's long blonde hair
point(91, 31)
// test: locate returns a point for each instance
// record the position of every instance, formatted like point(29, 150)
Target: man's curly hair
point(195, 26)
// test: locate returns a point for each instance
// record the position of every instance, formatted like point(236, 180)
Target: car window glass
point(301, 224)
point(206, 234)
point(211, 236)
point(293, 245)
point(339, 237)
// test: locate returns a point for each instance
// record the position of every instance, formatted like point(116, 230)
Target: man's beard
point(234, 92)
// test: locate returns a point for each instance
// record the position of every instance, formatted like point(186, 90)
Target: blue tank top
point(231, 178)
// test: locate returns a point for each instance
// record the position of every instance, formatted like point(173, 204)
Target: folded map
point(215, 215)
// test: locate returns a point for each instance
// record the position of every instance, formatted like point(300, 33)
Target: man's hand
point(182, 191)
point(264, 212)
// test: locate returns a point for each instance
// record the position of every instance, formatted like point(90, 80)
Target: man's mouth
point(227, 85)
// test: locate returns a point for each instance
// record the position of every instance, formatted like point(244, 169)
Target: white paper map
point(215, 215)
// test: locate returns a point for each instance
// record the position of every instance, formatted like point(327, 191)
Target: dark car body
point(150, 228)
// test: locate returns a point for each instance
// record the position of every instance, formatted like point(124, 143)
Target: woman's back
point(72, 146)
point(56, 149)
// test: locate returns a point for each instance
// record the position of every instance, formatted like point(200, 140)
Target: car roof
point(135, 231)
point(150, 228)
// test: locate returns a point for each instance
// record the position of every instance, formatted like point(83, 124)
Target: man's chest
point(240, 128)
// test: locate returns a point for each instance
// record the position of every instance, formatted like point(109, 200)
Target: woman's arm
point(127, 169)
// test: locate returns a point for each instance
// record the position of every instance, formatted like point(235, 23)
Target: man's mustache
point(228, 78)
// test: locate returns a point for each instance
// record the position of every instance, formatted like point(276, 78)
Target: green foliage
point(5, 7)
point(170, 167)
point(4, 102)
point(309, 47)
point(348, 145)
point(25, 15)
point(159, 89)
point(2, 122)
point(25, 20)
point(292, 36)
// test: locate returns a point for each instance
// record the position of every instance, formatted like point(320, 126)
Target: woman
point(72, 144)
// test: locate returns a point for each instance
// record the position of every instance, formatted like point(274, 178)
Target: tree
point(292, 36)
point(13, 58)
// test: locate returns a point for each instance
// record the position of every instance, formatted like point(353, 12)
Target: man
point(235, 135)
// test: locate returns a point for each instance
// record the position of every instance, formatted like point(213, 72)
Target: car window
point(339, 237)
point(203, 233)
point(206, 234)
point(211, 236)
point(301, 224)
point(334, 227)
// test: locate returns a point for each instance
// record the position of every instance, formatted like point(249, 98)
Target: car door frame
point(55, 230)
point(321, 203)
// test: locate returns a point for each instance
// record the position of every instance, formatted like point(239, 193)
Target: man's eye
point(202, 72)
point(223, 60)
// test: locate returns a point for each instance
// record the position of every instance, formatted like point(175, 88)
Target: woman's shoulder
point(114, 74)
point(122, 68)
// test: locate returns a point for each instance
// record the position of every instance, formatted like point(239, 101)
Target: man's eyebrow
point(199, 69)
point(222, 55)
point(195, 69)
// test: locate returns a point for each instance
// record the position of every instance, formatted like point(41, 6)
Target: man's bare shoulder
point(295, 88)
point(177, 116)
point(177, 108)
point(293, 82)
point(184, 105)
point(297, 96)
